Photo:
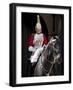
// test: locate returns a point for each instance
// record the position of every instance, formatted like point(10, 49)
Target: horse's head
point(54, 41)
point(52, 50)
point(50, 53)
point(53, 45)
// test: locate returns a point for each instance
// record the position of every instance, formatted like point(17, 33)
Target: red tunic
point(31, 38)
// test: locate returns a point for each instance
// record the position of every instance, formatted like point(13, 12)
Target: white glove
point(52, 40)
point(31, 49)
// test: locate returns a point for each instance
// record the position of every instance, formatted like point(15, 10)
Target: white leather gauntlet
point(31, 49)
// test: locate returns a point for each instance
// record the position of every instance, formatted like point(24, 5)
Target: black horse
point(49, 61)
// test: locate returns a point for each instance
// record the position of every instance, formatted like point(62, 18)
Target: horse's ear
point(56, 37)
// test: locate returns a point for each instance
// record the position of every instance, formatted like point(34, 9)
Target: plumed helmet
point(38, 24)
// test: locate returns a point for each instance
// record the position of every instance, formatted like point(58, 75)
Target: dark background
point(52, 24)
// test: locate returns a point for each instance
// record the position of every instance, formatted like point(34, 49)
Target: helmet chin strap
point(39, 32)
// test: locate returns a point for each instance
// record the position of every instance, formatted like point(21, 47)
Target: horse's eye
point(47, 57)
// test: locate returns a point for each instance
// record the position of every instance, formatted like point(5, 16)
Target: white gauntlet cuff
point(31, 49)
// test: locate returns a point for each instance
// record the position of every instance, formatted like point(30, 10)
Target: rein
point(51, 62)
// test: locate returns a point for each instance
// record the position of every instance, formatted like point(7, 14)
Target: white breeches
point(34, 57)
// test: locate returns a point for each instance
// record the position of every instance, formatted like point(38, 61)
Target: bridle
point(51, 62)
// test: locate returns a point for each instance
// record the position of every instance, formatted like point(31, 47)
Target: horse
point(49, 58)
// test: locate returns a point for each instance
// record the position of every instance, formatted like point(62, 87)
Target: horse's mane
point(47, 54)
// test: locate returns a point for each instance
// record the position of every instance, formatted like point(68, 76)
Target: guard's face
point(38, 30)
